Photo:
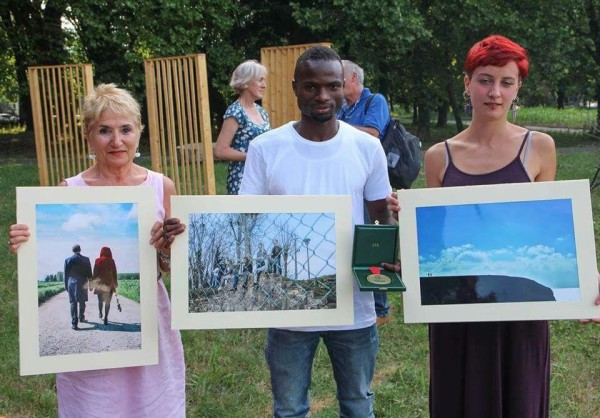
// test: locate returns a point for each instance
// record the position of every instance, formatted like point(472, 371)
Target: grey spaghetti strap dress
point(489, 369)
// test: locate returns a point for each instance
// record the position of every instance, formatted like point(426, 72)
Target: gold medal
point(378, 279)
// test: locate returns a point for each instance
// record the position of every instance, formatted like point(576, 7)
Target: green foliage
point(129, 288)
point(394, 28)
point(48, 289)
point(576, 118)
point(406, 47)
point(128, 276)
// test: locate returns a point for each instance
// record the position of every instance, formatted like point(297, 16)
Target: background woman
point(243, 121)
point(105, 281)
point(112, 124)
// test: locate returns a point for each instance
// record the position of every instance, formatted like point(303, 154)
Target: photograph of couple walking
point(88, 279)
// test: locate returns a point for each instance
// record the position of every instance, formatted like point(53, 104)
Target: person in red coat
point(105, 280)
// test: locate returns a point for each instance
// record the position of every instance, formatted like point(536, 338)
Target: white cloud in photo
point(539, 262)
point(82, 222)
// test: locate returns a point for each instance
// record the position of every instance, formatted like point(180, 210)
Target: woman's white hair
point(245, 73)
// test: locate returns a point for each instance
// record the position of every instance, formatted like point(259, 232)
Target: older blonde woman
point(243, 121)
point(112, 123)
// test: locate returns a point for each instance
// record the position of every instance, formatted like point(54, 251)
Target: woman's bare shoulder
point(542, 139)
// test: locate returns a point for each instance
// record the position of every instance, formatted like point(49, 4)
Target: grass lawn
point(226, 372)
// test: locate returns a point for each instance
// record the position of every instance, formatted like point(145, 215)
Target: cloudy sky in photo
point(92, 226)
point(532, 239)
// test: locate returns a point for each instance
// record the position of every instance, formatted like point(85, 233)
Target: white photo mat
point(340, 206)
point(575, 192)
point(139, 198)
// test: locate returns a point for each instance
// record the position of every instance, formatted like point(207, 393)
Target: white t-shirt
point(281, 162)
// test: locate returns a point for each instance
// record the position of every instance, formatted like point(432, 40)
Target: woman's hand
point(597, 303)
point(395, 267)
point(17, 235)
point(164, 233)
point(393, 206)
point(594, 320)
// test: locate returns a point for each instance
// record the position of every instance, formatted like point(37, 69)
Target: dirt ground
point(123, 331)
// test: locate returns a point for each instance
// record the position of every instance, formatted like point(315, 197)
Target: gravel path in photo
point(123, 331)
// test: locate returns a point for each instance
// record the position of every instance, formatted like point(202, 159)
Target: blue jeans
point(382, 306)
point(290, 356)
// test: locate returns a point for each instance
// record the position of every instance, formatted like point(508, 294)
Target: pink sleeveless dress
point(144, 391)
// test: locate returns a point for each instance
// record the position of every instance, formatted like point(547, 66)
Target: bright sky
point(92, 226)
point(532, 239)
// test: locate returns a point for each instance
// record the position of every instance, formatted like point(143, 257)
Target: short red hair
point(498, 51)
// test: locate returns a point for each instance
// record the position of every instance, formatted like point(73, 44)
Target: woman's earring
point(514, 107)
point(468, 105)
point(137, 153)
point(92, 155)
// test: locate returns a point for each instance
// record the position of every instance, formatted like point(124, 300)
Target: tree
point(32, 30)
point(592, 9)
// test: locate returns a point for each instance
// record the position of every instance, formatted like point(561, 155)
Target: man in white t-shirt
point(319, 155)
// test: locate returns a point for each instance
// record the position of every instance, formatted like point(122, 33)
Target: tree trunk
point(442, 119)
point(423, 130)
point(415, 118)
point(560, 99)
point(597, 132)
point(456, 109)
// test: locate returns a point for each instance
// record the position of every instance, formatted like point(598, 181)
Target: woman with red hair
point(491, 369)
point(105, 280)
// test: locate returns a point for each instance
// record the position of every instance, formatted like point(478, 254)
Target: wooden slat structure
point(179, 122)
point(57, 94)
point(279, 100)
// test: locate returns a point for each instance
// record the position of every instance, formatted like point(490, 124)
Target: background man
point(318, 155)
point(372, 120)
point(370, 113)
point(276, 257)
point(262, 263)
point(77, 270)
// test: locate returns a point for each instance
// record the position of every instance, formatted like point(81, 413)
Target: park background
point(412, 52)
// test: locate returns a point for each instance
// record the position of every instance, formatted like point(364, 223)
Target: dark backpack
point(403, 152)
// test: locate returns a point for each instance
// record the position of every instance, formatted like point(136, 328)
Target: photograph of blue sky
point(92, 226)
point(531, 239)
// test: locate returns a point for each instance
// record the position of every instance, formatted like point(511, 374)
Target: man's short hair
point(316, 53)
point(76, 248)
point(352, 67)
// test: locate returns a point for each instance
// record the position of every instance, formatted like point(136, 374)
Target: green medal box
point(373, 245)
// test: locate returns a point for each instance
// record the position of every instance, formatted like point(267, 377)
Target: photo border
point(576, 190)
point(340, 206)
point(30, 360)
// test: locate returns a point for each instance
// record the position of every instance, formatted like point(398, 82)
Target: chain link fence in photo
point(261, 261)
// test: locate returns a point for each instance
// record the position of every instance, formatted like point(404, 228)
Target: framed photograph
point(87, 279)
point(262, 261)
point(498, 253)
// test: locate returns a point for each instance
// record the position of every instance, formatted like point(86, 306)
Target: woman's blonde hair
point(110, 97)
point(246, 72)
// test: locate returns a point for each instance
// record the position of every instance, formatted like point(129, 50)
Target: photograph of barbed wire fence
point(261, 261)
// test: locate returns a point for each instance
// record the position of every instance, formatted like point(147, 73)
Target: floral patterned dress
point(246, 132)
